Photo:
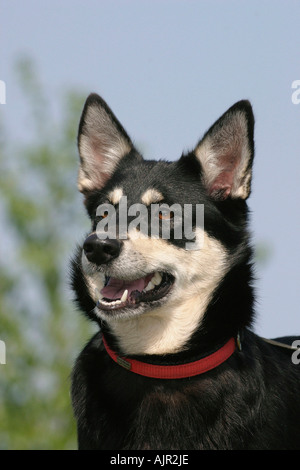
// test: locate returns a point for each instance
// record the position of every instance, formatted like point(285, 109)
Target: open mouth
point(117, 293)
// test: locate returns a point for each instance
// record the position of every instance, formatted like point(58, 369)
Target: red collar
point(179, 371)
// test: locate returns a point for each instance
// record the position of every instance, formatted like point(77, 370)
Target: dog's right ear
point(226, 153)
point(102, 142)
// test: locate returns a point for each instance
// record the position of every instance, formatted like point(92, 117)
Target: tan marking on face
point(115, 195)
point(168, 328)
point(94, 280)
point(151, 196)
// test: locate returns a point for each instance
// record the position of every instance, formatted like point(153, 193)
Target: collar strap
point(179, 371)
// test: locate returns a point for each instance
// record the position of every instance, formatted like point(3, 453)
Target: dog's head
point(164, 234)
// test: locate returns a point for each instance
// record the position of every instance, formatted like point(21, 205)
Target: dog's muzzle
point(124, 292)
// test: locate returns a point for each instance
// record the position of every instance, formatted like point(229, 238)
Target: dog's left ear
point(226, 153)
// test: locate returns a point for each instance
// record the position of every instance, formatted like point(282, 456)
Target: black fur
point(251, 401)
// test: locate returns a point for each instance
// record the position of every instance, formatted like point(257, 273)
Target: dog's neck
point(162, 331)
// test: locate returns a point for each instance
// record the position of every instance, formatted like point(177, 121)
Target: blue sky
point(169, 69)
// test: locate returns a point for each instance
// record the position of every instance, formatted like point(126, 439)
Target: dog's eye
point(165, 214)
point(102, 215)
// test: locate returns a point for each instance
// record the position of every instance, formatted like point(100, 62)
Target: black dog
point(175, 364)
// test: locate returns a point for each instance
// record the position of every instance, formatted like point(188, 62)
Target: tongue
point(115, 287)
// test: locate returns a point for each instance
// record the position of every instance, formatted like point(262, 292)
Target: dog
point(175, 364)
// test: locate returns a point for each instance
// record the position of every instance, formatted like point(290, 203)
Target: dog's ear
point(102, 142)
point(226, 153)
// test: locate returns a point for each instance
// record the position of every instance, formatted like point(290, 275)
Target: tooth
point(149, 286)
point(112, 302)
point(124, 296)
point(156, 280)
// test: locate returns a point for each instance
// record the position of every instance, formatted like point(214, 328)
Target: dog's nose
point(101, 251)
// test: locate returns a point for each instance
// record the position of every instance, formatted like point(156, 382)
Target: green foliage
point(41, 220)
